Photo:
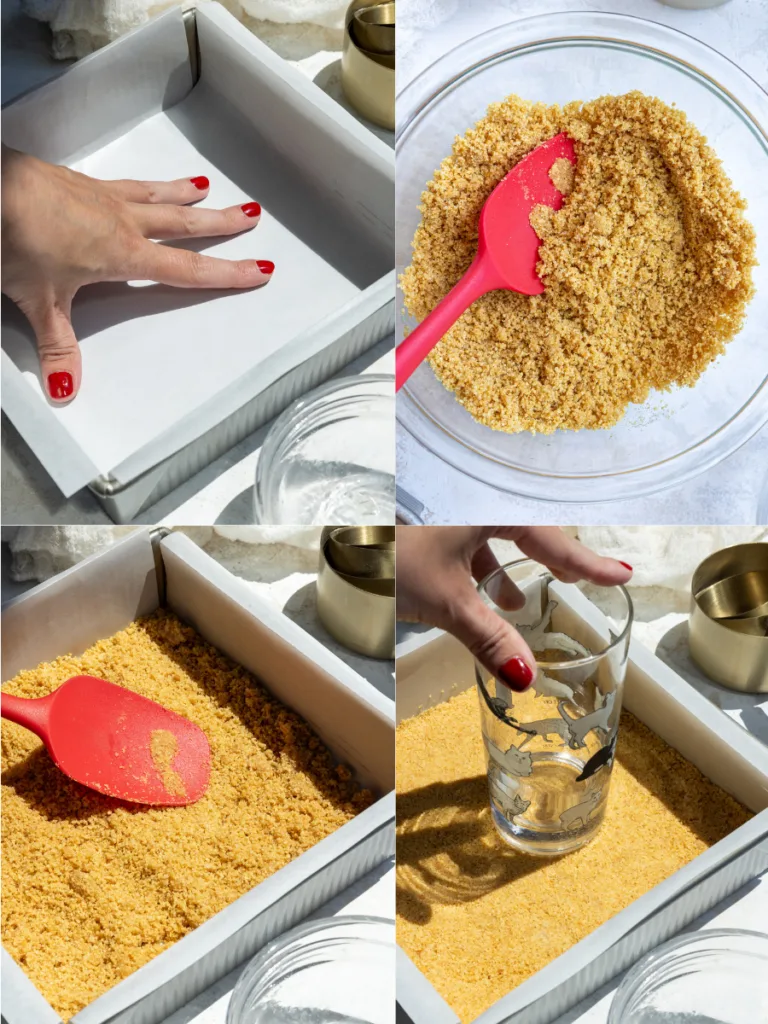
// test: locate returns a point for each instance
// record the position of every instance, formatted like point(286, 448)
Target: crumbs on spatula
point(163, 747)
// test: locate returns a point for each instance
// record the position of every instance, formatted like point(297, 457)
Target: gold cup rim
point(727, 563)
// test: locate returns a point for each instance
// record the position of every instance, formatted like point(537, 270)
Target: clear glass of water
point(549, 751)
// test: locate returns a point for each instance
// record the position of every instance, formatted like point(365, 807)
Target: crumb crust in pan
point(94, 888)
point(477, 918)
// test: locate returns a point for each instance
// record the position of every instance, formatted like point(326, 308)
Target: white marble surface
point(728, 493)
point(222, 492)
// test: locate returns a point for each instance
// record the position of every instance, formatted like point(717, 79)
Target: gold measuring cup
point(728, 624)
point(358, 610)
point(373, 28)
point(368, 60)
point(367, 551)
point(742, 596)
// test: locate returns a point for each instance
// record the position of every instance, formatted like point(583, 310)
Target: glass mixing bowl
point(557, 58)
point(708, 977)
point(339, 969)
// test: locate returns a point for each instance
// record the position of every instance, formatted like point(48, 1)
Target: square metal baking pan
point(102, 595)
point(203, 371)
point(433, 667)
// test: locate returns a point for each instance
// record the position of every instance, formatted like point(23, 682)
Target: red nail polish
point(60, 385)
point(266, 266)
point(516, 674)
point(251, 209)
point(627, 566)
point(201, 182)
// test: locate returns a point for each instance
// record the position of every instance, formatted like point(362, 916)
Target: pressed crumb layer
point(93, 888)
point(647, 265)
point(477, 918)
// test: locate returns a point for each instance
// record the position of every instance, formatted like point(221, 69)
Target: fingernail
point(516, 674)
point(627, 566)
point(251, 209)
point(201, 182)
point(266, 266)
point(60, 384)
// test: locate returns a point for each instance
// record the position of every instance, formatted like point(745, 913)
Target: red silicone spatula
point(117, 742)
point(507, 249)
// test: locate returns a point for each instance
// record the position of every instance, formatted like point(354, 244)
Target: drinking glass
point(549, 751)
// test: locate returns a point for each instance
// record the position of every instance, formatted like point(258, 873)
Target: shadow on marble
point(30, 497)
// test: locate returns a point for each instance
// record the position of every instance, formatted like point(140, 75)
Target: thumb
point(493, 641)
point(59, 352)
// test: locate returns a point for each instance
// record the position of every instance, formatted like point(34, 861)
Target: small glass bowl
point(330, 457)
point(717, 977)
point(332, 970)
point(555, 58)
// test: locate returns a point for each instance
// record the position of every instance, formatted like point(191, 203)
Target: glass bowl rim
point(576, 662)
point(666, 953)
point(472, 459)
point(281, 943)
point(304, 403)
point(618, 17)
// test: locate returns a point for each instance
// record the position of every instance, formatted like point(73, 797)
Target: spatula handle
point(32, 714)
point(414, 349)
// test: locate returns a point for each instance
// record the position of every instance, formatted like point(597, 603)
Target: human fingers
point(168, 221)
point(504, 592)
point(59, 352)
point(492, 640)
point(570, 560)
point(184, 269)
point(178, 192)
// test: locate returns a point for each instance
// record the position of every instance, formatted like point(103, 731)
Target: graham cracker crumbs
point(647, 265)
point(477, 918)
point(94, 888)
point(562, 174)
point(163, 748)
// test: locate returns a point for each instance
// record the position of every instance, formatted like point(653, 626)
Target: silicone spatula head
point(505, 234)
point(507, 249)
point(118, 742)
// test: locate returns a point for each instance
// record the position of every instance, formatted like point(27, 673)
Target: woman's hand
point(61, 230)
point(435, 567)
